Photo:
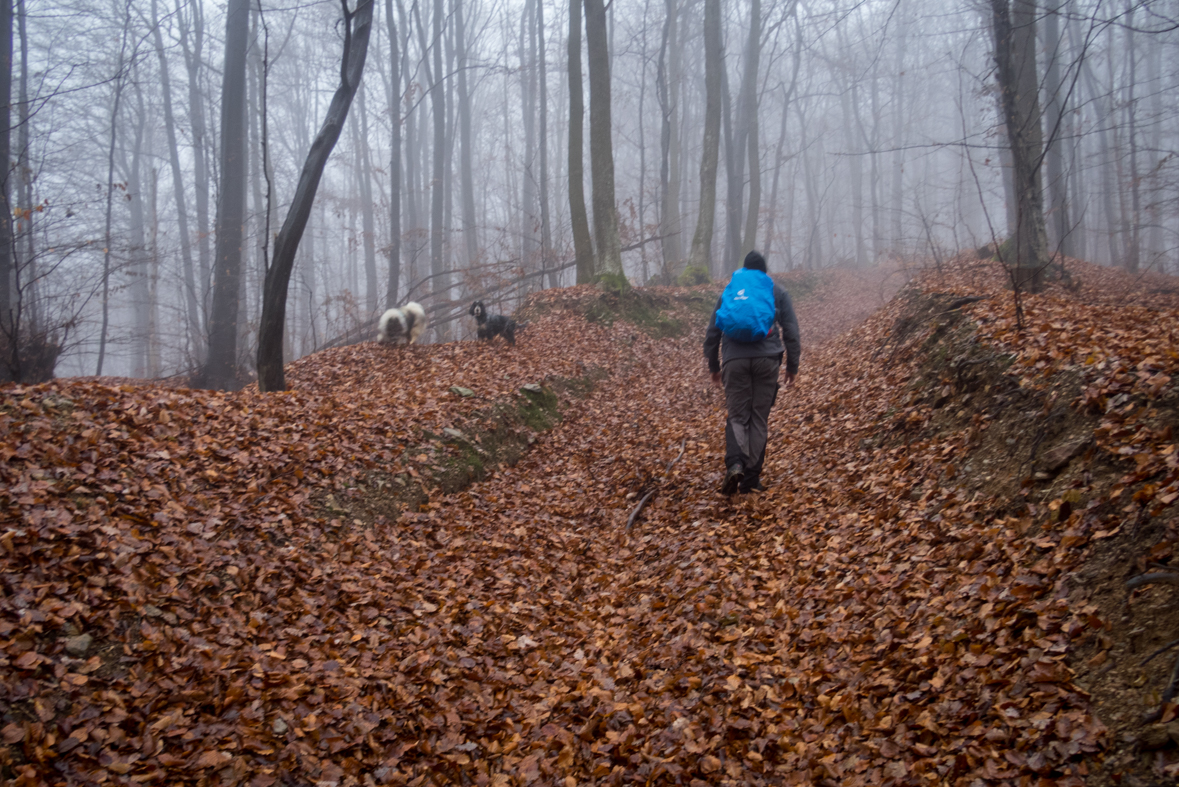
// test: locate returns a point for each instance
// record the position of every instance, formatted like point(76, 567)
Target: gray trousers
point(751, 387)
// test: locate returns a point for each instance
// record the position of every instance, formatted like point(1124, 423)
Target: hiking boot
point(753, 486)
point(733, 478)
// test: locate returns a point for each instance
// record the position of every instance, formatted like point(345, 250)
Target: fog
point(876, 129)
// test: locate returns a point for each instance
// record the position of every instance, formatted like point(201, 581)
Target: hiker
point(744, 327)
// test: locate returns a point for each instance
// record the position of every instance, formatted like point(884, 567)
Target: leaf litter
point(179, 608)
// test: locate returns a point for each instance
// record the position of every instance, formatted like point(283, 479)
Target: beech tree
point(713, 73)
point(1015, 56)
point(220, 370)
point(357, 29)
point(582, 243)
point(609, 257)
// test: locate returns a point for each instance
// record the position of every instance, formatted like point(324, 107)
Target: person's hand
point(716, 380)
point(789, 379)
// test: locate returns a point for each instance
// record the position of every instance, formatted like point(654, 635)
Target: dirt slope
point(231, 589)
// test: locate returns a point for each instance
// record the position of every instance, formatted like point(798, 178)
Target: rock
point(455, 433)
point(280, 727)
point(1058, 458)
point(532, 387)
point(79, 645)
point(458, 389)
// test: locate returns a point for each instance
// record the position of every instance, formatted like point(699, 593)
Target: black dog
point(495, 325)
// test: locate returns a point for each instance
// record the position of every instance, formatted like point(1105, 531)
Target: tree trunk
point(609, 260)
point(527, 215)
point(438, 266)
point(582, 243)
point(546, 232)
point(1058, 198)
point(192, 309)
point(466, 172)
point(357, 29)
point(153, 281)
point(371, 294)
point(393, 290)
point(8, 324)
point(221, 368)
point(752, 214)
point(193, 60)
point(1133, 231)
point(746, 127)
point(1015, 55)
point(898, 129)
point(5, 225)
point(27, 267)
point(713, 66)
point(670, 224)
point(137, 268)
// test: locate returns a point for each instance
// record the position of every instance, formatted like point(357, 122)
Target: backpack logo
point(747, 309)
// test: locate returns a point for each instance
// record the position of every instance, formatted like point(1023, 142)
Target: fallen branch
point(635, 514)
point(630, 521)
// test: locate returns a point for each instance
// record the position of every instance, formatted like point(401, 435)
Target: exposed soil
point(1034, 451)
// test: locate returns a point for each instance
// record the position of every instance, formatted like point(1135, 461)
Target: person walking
point(744, 328)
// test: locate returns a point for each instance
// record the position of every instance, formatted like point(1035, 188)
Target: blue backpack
point(747, 312)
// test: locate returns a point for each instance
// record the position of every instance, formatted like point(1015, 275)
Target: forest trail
point(208, 588)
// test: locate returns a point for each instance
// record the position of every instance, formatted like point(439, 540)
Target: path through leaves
point(180, 606)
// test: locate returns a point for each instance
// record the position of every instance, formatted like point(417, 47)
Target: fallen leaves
point(866, 620)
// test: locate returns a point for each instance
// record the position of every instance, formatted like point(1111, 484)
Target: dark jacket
point(787, 341)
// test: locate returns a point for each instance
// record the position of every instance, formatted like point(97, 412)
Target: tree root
point(1159, 578)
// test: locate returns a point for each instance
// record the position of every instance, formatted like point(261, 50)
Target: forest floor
point(433, 565)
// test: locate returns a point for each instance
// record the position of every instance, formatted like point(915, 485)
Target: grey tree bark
point(466, 172)
point(609, 258)
point(701, 254)
point(137, 262)
point(5, 223)
point(193, 62)
point(368, 222)
point(528, 213)
point(1132, 230)
point(670, 224)
point(1061, 235)
point(546, 232)
point(220, 370)
point(582, 243)
point(192, 309)
point(393, 288)
point(441, 284)
point(8, 324)
point(1015, 56)
point(357, 30)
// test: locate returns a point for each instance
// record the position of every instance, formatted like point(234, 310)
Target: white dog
point(406, 323)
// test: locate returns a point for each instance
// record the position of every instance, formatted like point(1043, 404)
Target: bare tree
point(5, 227)
point(713, 72)
point(357, 30)
point(393, 288)
point(582, 243)
point(1015, 55)
point(609, 258)
point(193, 311)
point(466, 157)
point(668, 76)
point(220, 370)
